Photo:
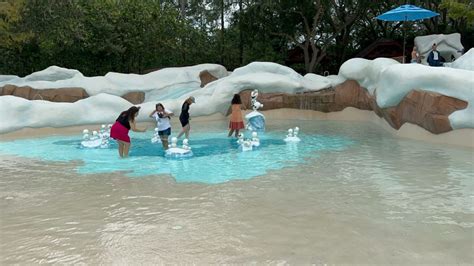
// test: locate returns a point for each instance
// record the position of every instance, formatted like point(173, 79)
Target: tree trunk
point(182, 8)
point(241, 41)
point(222, 32)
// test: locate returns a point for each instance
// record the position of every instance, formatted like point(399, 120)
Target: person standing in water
point(236, 122)
point(162, 117)
point(184, 117)
point(121, 127)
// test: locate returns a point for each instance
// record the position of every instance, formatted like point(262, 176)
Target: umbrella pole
point(404, 39)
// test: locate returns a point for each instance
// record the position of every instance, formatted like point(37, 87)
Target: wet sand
point(299, 215)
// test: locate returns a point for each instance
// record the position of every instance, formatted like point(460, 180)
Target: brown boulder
point(135, 97)
point(53, 95)
point(427, 109)
point(206, 78)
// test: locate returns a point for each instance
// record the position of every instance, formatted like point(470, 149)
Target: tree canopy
point(130, 36)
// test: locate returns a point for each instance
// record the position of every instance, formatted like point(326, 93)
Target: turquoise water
point(216, 158)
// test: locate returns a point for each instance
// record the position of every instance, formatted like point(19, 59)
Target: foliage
point(132, 36)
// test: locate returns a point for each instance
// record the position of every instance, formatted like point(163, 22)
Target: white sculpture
point(296, 131)
point(292, 135)
point(255, 119)
point(246, 145)
point(156, 137)
point(176, 152)
point(174, 141)
point(99, 139)
point(255, 139)
point(240, 139)
point(255, 104)
point(186, 145)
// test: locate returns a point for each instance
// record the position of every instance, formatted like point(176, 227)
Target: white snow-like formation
point(466, 61)
point(448, 45)
point(4, 78)
point(17, 113)
point(393, 81)
point(161, 84)
point(171, 86)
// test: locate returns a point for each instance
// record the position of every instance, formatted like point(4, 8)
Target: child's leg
point(164, 141)
point(126, 148)
point(181, 133)
point(120, 148)
point(237, 133)
point(230, 132)
point(186, 132)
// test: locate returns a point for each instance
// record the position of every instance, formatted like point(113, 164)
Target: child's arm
point(133, 126)
point(165, 114)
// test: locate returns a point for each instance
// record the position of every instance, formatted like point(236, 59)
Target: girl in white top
point(162, 117)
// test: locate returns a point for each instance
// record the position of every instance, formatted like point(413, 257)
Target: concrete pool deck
point(458, 137)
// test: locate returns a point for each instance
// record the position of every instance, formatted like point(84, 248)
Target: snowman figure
point(255, 139)
point(186, 145)
point(255, 104)
point(156, 137)
point(246, 145)
point(95, 135)
point(174, 142)
point(240, 139)
point(85, 134)
point(293, 135)
point(93, 141)
point(296, 131)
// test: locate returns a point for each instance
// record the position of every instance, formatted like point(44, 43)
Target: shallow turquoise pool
point(216, 158)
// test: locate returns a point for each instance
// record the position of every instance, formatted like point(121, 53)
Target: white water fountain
point(292, 135)
point(255, 119)
point(248, 144)
point(99, 139)
point(179, 152)
point(156, 137)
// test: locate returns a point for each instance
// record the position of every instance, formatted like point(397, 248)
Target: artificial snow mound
point(448, 45)
point(466, 61)
point(157, 85)
point(391, 81)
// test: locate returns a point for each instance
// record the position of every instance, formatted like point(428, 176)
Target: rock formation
point(135, 97)
point(52, 95)
point(206, 78)
point(427, 109)
point(61, 94)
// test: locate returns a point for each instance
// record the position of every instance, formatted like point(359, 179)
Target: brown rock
point(427, 109)
point(135, 97)
point(206, 78)
point(53, 95)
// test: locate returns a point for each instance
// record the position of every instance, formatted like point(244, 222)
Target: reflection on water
point(378, 200)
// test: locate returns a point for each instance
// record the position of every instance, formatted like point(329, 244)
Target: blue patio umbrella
point(407, 13)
